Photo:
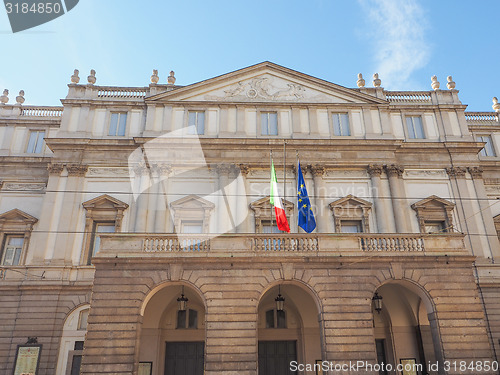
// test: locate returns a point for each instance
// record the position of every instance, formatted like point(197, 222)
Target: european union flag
point(306, 216)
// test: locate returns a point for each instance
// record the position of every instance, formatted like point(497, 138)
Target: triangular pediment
point(266, 82)
point(433, 202)
point(19, 216)
point(192, 202)
point(264, 203)
point(105, 202)
point(350, 201)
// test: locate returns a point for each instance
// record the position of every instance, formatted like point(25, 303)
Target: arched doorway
point(287, 333)
point(173, 332)
point(404, 328)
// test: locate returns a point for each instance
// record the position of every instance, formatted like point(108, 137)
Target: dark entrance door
point(184, 358)
point(275, 357)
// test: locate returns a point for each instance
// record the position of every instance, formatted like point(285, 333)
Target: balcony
point(269, 245)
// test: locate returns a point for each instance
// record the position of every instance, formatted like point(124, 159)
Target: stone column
point(375, 171)
point(162, 212)
point(222, 211)
point(397, 197)
point(142, 199)
point(484, 205)
point(53, 206)
point(321, 212)
point(466, 212)
point(246, 226)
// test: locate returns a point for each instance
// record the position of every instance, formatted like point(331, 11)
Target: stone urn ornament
point(4, 99)
point(171, 78)
point(451, 84)
point(376, 81)
point(20, 98)
point(74, 78)
point(91, 78)
point(496, 105)
point(154, 77)
point(361, 81)
point(435, 83)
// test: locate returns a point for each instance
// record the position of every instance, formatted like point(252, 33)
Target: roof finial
point(496, 105)
point(4, 99)
point(361, 81)
point(376, 81)
point(74, 78)
point(91, 78)
point(435, 83)
point(20, 98)
point(154, 77)
point(451, 84)
point(171, 78)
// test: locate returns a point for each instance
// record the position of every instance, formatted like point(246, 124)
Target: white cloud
point(398, 30)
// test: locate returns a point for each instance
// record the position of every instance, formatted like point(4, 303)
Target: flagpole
point(271, 168)
point(284, 172)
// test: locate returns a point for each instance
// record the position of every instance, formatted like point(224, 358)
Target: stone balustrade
point(408, 97)
point(244, 245)
point(482, 118)
point(104, 92)
point(29, 111)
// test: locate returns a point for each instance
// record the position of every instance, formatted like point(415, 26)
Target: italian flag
point(276, 202)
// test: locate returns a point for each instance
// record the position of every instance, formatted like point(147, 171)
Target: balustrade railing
point(42, 111)
point(482, 118)
point(122, 92)
point(176, 244)
point(409, 97)
point(391, 243)
point(285, 243)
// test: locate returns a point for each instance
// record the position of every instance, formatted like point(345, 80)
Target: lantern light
point(280, 300)
point(377, 302)
point(182, 301)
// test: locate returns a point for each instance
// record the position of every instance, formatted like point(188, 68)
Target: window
point(414, 127)
point(269, 123)
point(351, 215)
point(275, 319)
point(488, 149)
point(187, 319)
point(434, 214)
point(82, 319)
point(118, 124)
point(351, 226)
point(196, 119)
point(194, 227)
point(264, 211)
point(15, 232)
point(35, 142)
point(104, 214)
point(96, 239)
point(341, 124)
point(76, 358)
point(434, 226)
point(12, 250)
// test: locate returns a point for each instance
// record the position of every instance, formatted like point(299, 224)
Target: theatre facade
point(137, 235)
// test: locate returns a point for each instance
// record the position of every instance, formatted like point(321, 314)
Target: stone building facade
point(124, 202)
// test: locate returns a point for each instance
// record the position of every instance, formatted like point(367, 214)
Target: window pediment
point(264, 212)
point(105, 202)
point(192, 210)
point(17, 219)
point(434, 210)
point(353, 211)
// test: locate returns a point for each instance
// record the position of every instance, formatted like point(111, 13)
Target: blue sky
point(405, 41)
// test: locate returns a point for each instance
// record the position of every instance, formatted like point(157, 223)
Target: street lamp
point(182, 301)
point(280, 301)
point(377, 302)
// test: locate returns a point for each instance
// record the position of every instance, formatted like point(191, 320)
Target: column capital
point(223, 169)
point(456, 172)
point(244, 169)
point(78, 170)
point(316, 170)
point(140, 169)
point(476, 172)
point(375, 170)
point(394, 170)
point(162, 169)
point(55, 168)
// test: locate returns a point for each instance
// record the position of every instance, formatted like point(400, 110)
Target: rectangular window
point(11, 254)
point(488, 149)
point(415, 127)
point(192, 227)
point(96, 239)
point(196, 121)
point(35, 142)
point(351, 226)
point(341, 124)
point(118, 124)
point(269, 123)
point(434, 227)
